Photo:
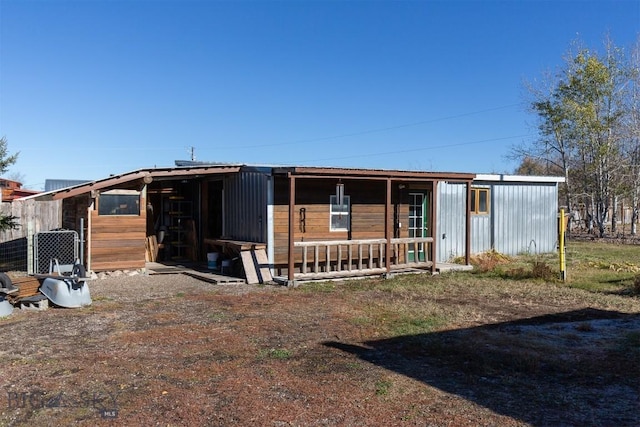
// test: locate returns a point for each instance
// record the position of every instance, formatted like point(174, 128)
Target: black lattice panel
point(61, 245)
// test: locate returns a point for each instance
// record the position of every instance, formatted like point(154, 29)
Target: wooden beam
point(142, 175)
point(292, 206)
point(388, 227)
point(434, 226)
point(319, 172)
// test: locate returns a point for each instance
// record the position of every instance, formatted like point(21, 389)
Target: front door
point(417, 225)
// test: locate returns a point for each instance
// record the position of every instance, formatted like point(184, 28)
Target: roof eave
point(143, 175)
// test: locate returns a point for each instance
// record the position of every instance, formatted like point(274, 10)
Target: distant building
point(57, 184)
point(13, 190)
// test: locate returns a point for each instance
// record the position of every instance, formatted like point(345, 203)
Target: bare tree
point(580, 113)
point(630, 133)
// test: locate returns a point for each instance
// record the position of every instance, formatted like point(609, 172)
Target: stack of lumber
point(28, 286)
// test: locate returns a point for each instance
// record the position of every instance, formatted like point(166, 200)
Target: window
point(480, 200)
point(339, 214)
point(119, 202)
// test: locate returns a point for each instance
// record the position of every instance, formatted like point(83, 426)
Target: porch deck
point(199, 271)
point(441, 267)
point(444, 267)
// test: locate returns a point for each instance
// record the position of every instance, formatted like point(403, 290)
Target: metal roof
point(518, 178)
point(187, 168)
point(140, 174)
point(372, 173)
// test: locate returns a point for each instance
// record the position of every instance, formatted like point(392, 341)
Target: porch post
point(292, 204)
point(467, 249)
point(434, 226)
point(89, 236)
point(388, 227)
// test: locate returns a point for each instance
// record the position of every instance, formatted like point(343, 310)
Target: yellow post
point(561, 231)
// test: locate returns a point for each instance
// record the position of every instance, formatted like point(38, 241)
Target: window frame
point(119, 193)
point(347, 212)
point(475, 200)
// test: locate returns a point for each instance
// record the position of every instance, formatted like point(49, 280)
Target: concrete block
point(35, 303)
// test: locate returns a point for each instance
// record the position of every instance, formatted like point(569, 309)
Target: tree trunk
point(614, 216)
point(602, 210)
point(590, 212)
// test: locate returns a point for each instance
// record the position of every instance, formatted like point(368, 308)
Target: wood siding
point(368, 199)
point(118, 241)
point(75, 209)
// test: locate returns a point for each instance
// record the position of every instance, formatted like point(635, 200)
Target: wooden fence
point(32, 218)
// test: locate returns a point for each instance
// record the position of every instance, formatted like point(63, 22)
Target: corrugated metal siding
point(245, 199)
point(481, 228)
point(480, 233)
point(451, 224)
point(522, 219)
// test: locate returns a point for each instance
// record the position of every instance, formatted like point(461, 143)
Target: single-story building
point(511, 214)
point(312, 222)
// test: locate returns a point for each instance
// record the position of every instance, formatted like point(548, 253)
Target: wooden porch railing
point(344, 258)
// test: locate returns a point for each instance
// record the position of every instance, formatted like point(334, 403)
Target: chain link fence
point(61, 245)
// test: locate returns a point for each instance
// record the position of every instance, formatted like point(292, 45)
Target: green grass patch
point(217, 316)
point(383, 387)
point(603, 267)
point(275, 353)
point(413, 325)
point(317, 287)
point(594, 266)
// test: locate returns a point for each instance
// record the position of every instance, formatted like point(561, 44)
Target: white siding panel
point(522, 219)
point(480, 233)
point(451, 222)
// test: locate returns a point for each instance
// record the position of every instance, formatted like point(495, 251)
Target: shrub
point(488, 261)
point(541, 270)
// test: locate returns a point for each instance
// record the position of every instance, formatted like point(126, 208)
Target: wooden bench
point(253, 255)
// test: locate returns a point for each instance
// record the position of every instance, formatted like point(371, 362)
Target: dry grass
point(456, 349)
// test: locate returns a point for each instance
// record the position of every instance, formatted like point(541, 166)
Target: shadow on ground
point(573, 368)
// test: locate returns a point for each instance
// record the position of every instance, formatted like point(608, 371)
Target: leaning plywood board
point(256, 266)
point(263, 265)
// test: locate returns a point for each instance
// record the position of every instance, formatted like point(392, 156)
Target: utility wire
point(459, 144)
point(377, 130)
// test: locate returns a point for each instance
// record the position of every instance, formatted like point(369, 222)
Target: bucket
point(212, 260)
point(5, 307)
point(226, 266)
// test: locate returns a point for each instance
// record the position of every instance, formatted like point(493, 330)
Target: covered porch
point(392, 222)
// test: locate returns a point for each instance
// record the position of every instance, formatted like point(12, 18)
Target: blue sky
point(92, 88)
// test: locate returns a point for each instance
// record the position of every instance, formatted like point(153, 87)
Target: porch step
point(216, 279)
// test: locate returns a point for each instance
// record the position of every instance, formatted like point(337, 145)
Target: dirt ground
point(171, 350)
